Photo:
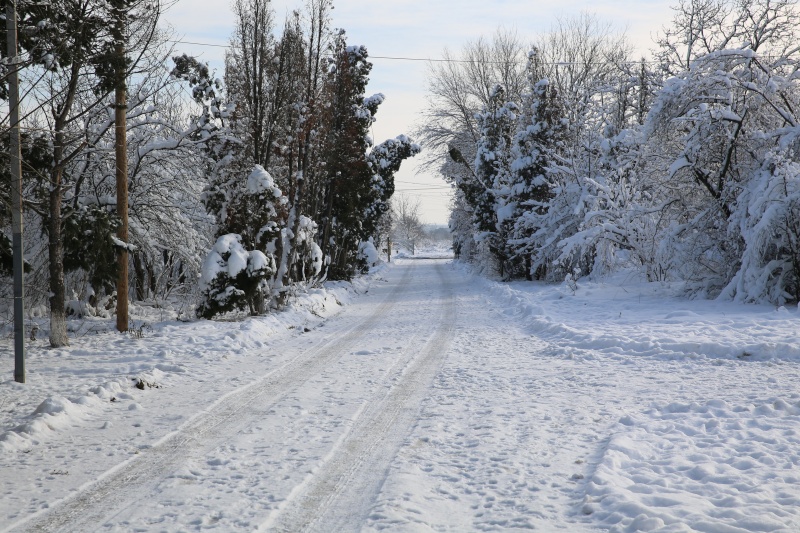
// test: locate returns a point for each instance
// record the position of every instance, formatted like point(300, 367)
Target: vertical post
point(121, 149)
point(16, 195)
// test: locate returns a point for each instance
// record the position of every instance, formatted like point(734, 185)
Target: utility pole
point(15, 163)
point(121, 149)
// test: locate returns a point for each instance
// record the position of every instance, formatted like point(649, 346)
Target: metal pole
point(15, 162)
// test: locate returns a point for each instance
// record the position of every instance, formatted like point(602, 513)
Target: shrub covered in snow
point(309, 254)
point(369, 254)
point(233, 278)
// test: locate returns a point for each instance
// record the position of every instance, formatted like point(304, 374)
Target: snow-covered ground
point(420, 398)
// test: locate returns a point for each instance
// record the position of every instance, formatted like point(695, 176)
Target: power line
point(198, 44)
point(404, 182)
point(437, 191)
point(473, 61)
point(449, 60)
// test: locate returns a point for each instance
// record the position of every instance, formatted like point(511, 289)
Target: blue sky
point(420, 28)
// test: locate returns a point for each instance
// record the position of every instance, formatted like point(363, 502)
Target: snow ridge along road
point(333, 478)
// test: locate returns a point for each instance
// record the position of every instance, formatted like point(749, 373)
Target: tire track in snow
point(338, 496)
point(131, 481)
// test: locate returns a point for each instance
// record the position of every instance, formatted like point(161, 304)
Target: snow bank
point(623, 316)
point(53, 414)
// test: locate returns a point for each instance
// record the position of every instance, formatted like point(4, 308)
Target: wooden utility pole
point(15, 162)
point(121, 149)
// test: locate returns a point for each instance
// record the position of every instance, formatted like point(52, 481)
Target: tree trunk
point(55, 249)
point(121, 148)
point(151, 278)
point(140, 275)
point(58, 314)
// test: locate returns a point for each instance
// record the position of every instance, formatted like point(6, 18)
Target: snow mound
point(53, 414)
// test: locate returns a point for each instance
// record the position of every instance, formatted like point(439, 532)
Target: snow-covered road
point(437, 401)
point(305, 446)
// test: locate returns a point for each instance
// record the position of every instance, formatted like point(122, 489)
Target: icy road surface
point(435, 402)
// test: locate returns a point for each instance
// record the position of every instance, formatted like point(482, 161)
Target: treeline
point(241, 189)
point(571, 157)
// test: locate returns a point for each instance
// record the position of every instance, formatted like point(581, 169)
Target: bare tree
point(585, 61)
point(408, 229)
point(74, 81)
point(252, 75)
point(460, 88)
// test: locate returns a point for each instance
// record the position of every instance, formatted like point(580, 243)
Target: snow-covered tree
point(490, 191)
point(621, 227)
point(359, 184)
point(70, 75)
point(307, 263)
point(687, 171)
point(584, 62)
point(459, 90)
point(768, 217)
point(721, 125)
point(536, 145)
point(384, 161)
point(233, 278)
point(252, 210)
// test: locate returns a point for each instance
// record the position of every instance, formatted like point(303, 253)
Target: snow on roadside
point(724, 457)
point(623, 316)
point(711, 467)
point(68, 386)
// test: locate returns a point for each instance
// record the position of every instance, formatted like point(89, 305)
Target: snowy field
point(419, 398)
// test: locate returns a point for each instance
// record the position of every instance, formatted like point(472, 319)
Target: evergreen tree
point(250, 217)
point(233, 278)
point(89, 246)
point(384, 161)
point(489, 189)
point(349, 176)
point(536, 146)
